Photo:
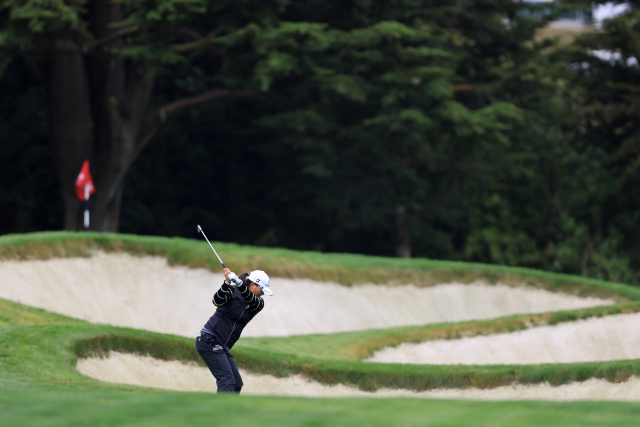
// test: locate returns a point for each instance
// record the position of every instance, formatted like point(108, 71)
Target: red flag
point(84, 180)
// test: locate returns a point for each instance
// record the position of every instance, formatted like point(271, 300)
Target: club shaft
point(214, 251)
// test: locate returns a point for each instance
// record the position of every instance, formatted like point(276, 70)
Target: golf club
point(214, 251)
point(232, 276)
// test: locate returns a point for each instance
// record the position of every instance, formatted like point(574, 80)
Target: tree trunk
point(403, 244)
point(120, 93)
point(69, 124)
point(96, 107)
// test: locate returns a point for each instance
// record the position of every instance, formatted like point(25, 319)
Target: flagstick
point(86, 207)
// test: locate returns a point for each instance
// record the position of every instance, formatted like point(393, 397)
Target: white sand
point(146, 293)
point(591, 340)
point(149, 372)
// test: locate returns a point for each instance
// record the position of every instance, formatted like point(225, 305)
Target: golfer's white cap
point(261, 279)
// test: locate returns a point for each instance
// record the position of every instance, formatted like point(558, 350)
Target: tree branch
point(188, 33)
point(155, 120)
point(462, 86)
point(106, 40)
point(221, 93)
point(66, 46)
point(184, 47)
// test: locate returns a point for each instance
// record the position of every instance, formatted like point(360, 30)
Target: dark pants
point(221, 364)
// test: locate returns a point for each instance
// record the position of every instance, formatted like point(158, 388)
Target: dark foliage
point(439, 130)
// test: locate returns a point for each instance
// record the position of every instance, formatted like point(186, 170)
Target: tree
point(28, 189)
point(608, 78)
point(607, 63)
point(398, 106)
point(99, 62)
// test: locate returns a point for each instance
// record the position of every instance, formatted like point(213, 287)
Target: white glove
point(235, 279)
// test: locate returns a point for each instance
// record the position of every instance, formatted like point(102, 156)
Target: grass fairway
point(86, 408)
point(39, 385)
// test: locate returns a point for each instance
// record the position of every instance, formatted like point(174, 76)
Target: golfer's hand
point(235, 279)
point(226, 276)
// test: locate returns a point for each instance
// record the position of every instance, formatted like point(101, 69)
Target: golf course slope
point(128, 309)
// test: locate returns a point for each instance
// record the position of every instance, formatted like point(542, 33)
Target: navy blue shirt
point(237, 305)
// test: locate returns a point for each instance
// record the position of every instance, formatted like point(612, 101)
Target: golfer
point(237, 305)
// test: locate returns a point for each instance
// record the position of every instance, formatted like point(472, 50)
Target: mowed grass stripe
point(346, 269)
point(110, 408)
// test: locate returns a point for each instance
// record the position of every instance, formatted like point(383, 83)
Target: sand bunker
point(591, 340)
point(147, 293)
point(149, 372)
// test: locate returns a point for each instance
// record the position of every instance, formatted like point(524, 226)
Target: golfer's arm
point(255, 303)
point(223, 295)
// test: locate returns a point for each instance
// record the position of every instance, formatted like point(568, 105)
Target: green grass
point(98, 409)
point(39, 385)
point(346, 269)
point(12, 314)
point(26, 348)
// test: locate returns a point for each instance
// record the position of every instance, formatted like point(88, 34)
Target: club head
point(199, 229)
